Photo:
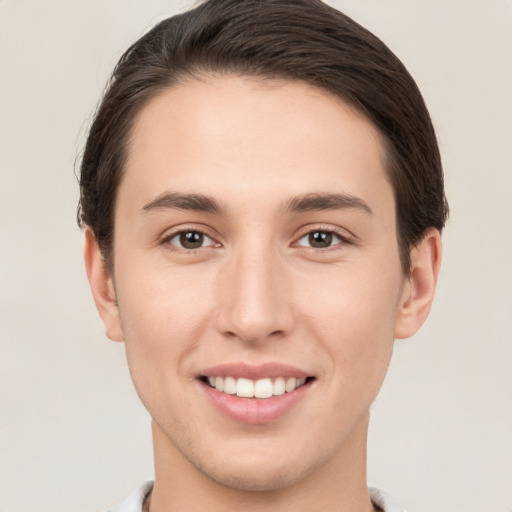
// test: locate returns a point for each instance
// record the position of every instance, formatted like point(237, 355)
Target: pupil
point(320, 239)
point(191, 239)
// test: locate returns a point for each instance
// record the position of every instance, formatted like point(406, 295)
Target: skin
point(256, 290)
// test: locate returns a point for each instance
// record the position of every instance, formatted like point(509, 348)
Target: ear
point(102, 287)
point(420, 285)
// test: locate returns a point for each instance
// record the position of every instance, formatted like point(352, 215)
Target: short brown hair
point(303, 40)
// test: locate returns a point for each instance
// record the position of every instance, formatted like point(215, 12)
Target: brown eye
point(190, 240)
point(320, 239)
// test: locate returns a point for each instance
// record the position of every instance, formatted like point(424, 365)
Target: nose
point(254, 297)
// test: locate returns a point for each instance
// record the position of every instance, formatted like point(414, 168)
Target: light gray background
point(73, 435)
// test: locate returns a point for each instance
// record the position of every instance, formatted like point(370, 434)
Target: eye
point(190, 240)
point(320, 239)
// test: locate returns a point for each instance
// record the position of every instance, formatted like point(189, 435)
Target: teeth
point(229, 386)
point(262, 388)
point(244, 388)
point(219, 383)
point(279, 386)
point(290, 384)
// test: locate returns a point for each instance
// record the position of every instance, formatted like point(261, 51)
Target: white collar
point(136, 499)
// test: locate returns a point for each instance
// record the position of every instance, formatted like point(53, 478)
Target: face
point(255, 253)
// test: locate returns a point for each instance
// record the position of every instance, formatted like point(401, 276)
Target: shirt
point(134, 502)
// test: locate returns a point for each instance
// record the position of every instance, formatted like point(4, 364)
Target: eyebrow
point(181, 201)
point(320, 201)
point(304, 203)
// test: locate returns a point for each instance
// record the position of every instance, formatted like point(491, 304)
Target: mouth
point(244, 387)
point(255, 394)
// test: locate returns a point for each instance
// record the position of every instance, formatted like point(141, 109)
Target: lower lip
point(255, 411)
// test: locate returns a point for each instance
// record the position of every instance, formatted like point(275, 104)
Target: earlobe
point(419, 288)
point(102, 287)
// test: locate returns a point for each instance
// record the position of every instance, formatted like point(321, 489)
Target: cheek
point(162, 312)
point(353, 315)
point(163, 315)
point(351, 300)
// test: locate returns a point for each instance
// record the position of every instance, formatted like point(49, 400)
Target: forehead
point(235, 137)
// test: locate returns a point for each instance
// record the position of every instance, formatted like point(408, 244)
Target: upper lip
point(254, 371)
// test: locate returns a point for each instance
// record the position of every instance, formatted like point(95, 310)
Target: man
point(262, 197)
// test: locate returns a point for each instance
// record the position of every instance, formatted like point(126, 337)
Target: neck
point(338, 484)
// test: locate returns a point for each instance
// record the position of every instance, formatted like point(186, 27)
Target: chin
point(247, 470)
point(260, 478)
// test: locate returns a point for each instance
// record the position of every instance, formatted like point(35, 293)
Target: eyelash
point(174, 247)
point(343, 240)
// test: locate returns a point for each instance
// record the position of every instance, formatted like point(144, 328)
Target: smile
point(261, 388)
point(255, 394)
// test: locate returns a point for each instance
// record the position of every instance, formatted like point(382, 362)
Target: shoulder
point(384, 501)
point(134, 502)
